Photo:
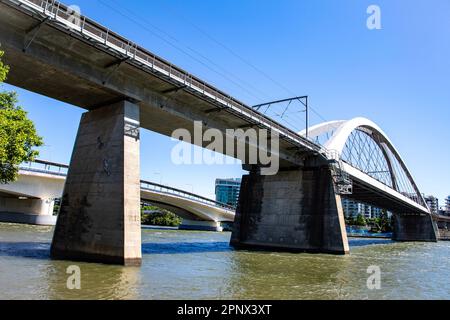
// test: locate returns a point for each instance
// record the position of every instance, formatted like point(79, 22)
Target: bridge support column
point(444, 229)
point(410, 227)
point(27, 211)
point(42, 207)
point(99, 219)
point(201, 225)
point(296, 210)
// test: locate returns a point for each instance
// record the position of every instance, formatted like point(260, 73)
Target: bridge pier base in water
point(413, 227)
point(201, 225)
point(294, 210)
point(99, 218)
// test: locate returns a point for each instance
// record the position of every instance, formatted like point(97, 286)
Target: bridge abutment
point(294, 210)
point(413, 227)
point(99, 218)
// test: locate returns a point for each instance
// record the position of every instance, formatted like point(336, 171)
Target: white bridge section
point(40, 183)
point(335, 135)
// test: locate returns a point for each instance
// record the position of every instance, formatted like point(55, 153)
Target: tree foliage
point(18, 136)
point(159, 217)
point(360, 221)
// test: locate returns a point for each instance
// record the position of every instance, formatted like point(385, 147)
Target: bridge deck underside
point(368, 194)
point(64, 66)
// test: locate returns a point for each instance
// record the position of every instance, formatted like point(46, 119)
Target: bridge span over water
point(125, 87)
point(32, 197)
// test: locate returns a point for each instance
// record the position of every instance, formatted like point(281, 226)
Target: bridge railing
point(151, 186)
point(46, 167)
point(165, 70)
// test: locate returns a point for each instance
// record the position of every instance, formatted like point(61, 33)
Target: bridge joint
point(174, 90)
point(116, 64)
point(213, 110)
point(248, 126)
point(35, 31)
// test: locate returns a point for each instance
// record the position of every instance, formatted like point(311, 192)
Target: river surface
point(201, 265)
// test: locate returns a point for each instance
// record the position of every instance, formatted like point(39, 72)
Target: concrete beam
point(99, 219)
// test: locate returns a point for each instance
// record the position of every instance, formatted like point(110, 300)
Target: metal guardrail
point(48, 167)
point(59, 13)
point(151, 186)
point(42, 166)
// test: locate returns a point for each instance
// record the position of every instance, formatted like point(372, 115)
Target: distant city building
point(433, 204)
point(447, 206)
point(353, 209)
point(227, 191)
point(376, 212)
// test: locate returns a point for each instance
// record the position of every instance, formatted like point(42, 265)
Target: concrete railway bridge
point(125, 87)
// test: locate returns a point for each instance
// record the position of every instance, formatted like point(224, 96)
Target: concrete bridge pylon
point(99, 219)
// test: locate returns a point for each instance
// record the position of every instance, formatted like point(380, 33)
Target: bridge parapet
point(47, 167)
point(147, 185)
point(59, 169)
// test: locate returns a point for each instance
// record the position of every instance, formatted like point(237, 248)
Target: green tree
point(385, 222)
point(360, 221)
point(159, 217)
point(18, 136)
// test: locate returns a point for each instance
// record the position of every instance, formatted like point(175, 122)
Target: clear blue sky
point(397, 76)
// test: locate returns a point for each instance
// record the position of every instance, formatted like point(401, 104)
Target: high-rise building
point(433, 204)
point(227, 191)
point(376, 212)
point(353, 209)
point(447, 205)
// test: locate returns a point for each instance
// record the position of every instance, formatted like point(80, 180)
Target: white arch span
point(340, 132)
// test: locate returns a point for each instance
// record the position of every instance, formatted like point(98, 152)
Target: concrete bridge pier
point(41, 207)
point(295, 210)
point(414, 227)
point(27, 210)
point(99, 219)
point(444, 228)
point(200, 225)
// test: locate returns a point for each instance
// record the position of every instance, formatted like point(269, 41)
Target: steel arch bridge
point(366, 155)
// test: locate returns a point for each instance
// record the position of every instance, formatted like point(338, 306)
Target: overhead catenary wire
point(236, 55)
point(169, 39)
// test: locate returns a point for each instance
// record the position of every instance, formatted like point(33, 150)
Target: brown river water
point(201, 265)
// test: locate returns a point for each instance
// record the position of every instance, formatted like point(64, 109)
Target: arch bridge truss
point(365, 156)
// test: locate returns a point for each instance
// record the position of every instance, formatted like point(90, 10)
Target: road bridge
point(31, 199)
